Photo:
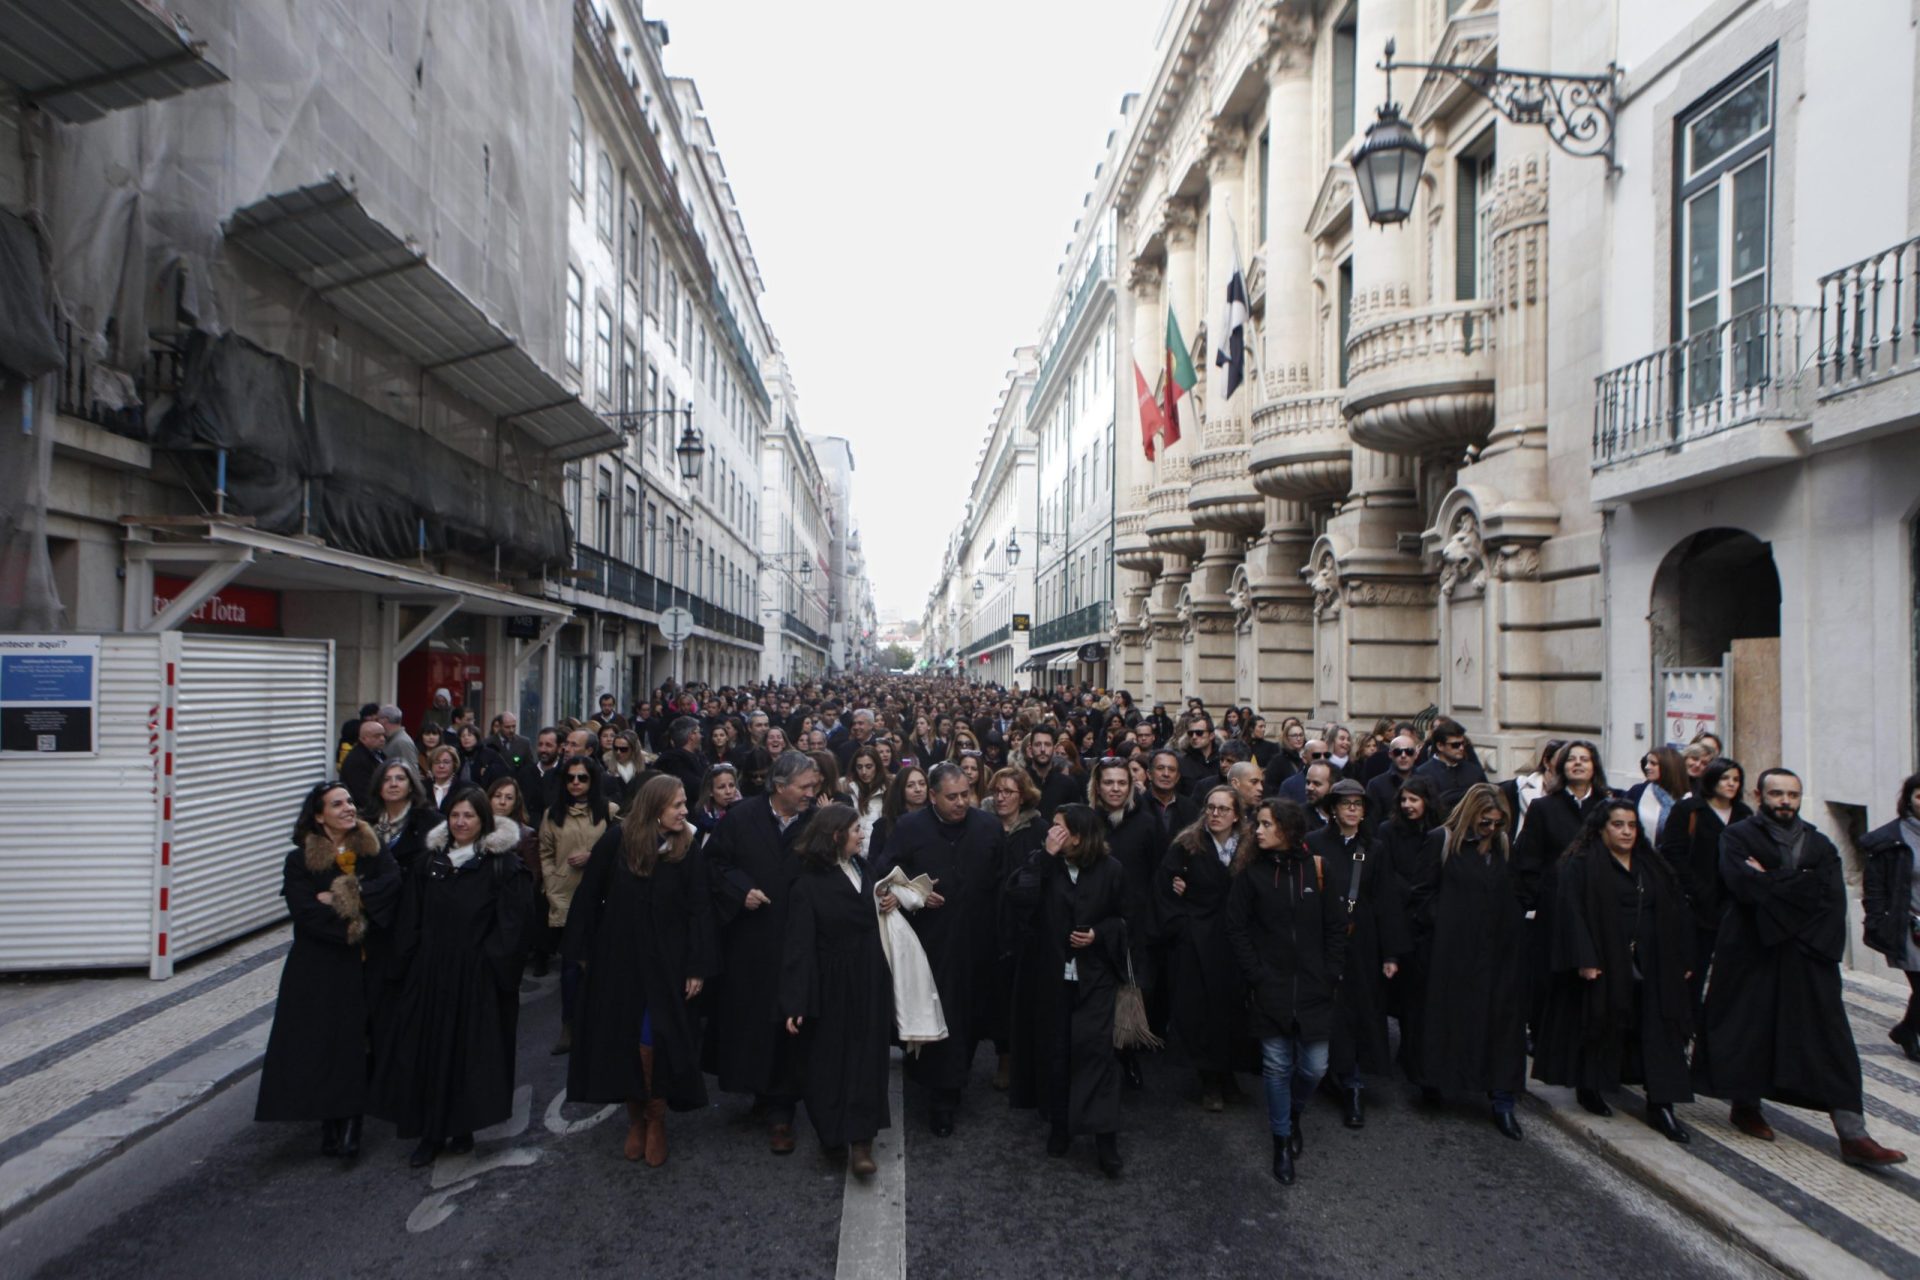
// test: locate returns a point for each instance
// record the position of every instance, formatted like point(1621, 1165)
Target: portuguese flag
point(1151, 423)
point(1180, 376)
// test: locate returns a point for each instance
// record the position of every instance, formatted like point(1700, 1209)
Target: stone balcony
point(1420, 383)
point(1170, 526)
point(1221, 495)
point(1130, 546)
point(1300, 449)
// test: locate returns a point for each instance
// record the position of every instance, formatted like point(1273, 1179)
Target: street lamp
point(692, 451)
point(979, 589)
point(1575, 110)
point(1013, 548)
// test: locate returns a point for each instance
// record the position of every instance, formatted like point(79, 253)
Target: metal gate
point(1692, 699)
point(253, 732)
point(79, 835)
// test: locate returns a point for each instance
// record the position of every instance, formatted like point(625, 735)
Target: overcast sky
point(909, 174)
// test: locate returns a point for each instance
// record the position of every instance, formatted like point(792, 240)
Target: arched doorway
point(1716, 609)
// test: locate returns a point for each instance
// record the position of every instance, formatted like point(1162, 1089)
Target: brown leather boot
point(655, 1137)
point(860, 1159)
point(636, 1131)
point(1750, 1121)
point(1869, 1154)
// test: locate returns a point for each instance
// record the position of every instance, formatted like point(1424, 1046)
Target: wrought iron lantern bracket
point(1577, 111)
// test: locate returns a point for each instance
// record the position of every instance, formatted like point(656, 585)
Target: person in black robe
point(1374, 900)
point(1050, 773)
point(1691, 847)
point(1287, 924)
point(1069, 901)
point(401, 812)
point(1135, 842)
point(341, 891)
point(1618, 1011)
point(1473, 1035)
point(1775, 1024)
point(957, 846)
point(1404, 845)
point(751, 866)
point(445, 1066)
point(835, 989)
point(641, 927)
point(1206, 988)
point(1452, 762)
point(1576, 784)
point(1012, 798)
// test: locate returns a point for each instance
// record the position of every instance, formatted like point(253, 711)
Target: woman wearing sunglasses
point(577, 819)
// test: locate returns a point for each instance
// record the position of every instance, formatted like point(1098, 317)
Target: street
point(1435, 1193)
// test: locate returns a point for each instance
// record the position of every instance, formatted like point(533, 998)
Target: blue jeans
point(1292, 1068)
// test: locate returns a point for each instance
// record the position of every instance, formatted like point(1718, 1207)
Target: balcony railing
point(794, 626)
point(1087, 620)
point(1870, 319)
point(1100, 267)
point(996, 636)
point(1747, 369)
point(602, 575)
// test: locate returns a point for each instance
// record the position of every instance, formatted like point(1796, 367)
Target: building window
point(603, 354)
point(653, 398)
point(653, 276)
point(686, 326)
point(603, 512)
point(1723, 224)
point(576, 317)
point(1472, 219)
point(577, 151)
point(653, 539)
point(633, 240)
point(628, 359)
point(1346, 70)
point(1345, 318)
point(574, 484)
point(673, 306)
point(630, 526)
point(1264, 170)
point(603, 198)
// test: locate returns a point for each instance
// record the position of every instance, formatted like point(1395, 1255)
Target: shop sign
point(232, 608)
point(49, 694)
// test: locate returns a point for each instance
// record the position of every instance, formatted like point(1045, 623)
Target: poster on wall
point(1690, 710)
point(49, 694)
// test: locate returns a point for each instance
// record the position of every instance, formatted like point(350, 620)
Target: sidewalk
point(90, 1065)
point(1789, 1201)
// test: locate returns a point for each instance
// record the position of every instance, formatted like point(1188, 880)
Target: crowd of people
point(717, 876)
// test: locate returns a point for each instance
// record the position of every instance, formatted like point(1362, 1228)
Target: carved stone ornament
point(1289, 41)
point(1226, 146)
point(1283, 611)
point(1143, 279)
point(1240, 595)
point(1326, 588)
point(1390, 593)
point(1180, 222)
point(1517, 563)
point(1212, 624)
point(1463, 558)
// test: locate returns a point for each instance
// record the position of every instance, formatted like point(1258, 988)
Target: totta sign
point(231, 608)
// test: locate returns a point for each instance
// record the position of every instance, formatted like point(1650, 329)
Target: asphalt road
point(1437, 1193)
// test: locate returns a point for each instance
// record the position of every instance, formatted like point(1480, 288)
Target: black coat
point(1287, 926)
point(316, 1062)
point(746, 1045)
point(410, 839)
point(1453, 780)
point(1553, 823)
point(537, 788)
point(835, 976)
point(445, 1060)
point(960, 937)
point(1618, 1028)
point(640, 939)
point(1208, 992)
point(1473, 1034)
point(1383, 795)
point(1057, 788)
point(688, 766)
point(1691, 847)
point(357, 773)
point(1888, 898)
point(1284, 764)
point(1138, 845)
point(1774, 1025)
point(1379, 933)
point(1050, 904)
point(1170, 819)
point(485, 766)
point(1200, 773)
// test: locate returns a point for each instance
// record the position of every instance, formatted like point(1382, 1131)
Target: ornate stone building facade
point(1379, 521)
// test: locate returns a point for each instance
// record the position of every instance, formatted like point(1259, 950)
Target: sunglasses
point(1455, 744)
point(579, 777)
point(623, 751)
point(1199, 733)
point(1403, 751)
point(1318, 755)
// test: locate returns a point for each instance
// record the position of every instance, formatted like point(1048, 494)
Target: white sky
point(909, 173)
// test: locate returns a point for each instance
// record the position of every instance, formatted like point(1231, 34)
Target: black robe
point(639, 938)
point(835, 976)
point(1207, 990)
point(1471, 1032)
point(316, 1061)
point(445, 1060)
point(411, 836)
point(1059, 787)
point(1287, 925)
point(959, 937)
point(1379, 934)
point(1136, 843)
point(1775, 1026)
point(1062, 1033)
point(1618, 1028)
point(1552, 824)
point(746, 1045)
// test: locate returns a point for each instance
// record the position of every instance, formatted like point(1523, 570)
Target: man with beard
point(1775, 1025)
point(752, 867)
point(1049, 773)
point(955, 844)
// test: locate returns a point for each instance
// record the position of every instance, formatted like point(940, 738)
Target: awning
point(79, 59)
point(1063, 660)
point(1037, 661)
point(324, 236)
point(283, 563)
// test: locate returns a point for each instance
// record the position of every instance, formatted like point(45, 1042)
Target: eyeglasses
point(579, 777)
point(1221, 809)
point(1403, 751)
point(1199, 733)
point(1318, 755)
point(1455, 744)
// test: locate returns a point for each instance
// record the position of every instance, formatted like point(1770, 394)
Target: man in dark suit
point(362, 764)
point(1049, 773)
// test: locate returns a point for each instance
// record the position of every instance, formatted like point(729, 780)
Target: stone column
point(1138, 559)
point(1280, 612)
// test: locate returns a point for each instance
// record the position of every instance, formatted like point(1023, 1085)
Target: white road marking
point(873, 1211)
point(557, 1124)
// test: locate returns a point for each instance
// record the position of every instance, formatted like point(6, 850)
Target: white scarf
point(916, 1000)
point(461, 855)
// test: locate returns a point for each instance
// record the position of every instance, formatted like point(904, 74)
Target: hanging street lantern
point(1013, 548)
point(692, 451)
point(1387, 163)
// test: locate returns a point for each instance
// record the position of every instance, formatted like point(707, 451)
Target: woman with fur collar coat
point(446, 1052)
point(341, 890)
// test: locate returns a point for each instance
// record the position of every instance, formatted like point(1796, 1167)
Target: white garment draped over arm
point(916, 1001)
